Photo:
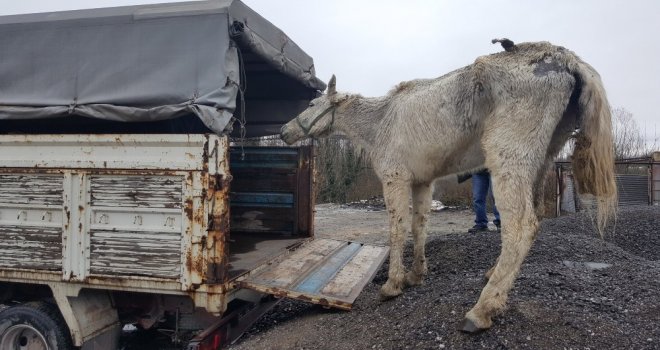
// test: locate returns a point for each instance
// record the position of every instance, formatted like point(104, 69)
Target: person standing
point(481, 185)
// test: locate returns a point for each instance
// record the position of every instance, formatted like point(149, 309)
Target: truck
point(128, 195)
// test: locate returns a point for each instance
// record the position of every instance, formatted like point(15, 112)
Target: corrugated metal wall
point(655, 175)
point(642, 188)
point(633, 189)
point(568, 195)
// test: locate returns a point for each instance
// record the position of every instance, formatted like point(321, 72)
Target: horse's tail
point(593, 157)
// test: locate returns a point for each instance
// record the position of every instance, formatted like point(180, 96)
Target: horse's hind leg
point(491, 270)
point(515, 201)
point(421, 200)
point(396, 190)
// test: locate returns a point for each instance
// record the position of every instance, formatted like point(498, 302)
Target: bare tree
point(628, 139)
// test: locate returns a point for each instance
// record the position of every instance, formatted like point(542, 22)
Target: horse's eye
point(311, 104)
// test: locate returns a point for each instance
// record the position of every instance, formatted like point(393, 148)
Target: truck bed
point(136, 212)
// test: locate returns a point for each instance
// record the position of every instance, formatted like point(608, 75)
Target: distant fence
point(637, 181)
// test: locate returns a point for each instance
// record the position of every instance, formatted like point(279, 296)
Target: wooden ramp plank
point(323, 271)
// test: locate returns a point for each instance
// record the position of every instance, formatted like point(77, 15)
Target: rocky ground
point(575, 291)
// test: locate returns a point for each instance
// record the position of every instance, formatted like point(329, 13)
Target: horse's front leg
point(421, 199)
point(396, 191)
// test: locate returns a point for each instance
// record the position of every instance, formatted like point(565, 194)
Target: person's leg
point(479, 191)
point(497, 222)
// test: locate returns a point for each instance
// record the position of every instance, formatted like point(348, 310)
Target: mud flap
point(323, 271)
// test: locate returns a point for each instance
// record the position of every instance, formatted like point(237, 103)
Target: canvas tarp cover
point(136, 64)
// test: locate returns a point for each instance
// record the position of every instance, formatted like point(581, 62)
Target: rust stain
point(205, 156)
point(197, 215)
point(189, 261)
point(188, 208)
point(194, 265)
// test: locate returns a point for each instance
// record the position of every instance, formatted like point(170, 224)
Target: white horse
point(510, 112)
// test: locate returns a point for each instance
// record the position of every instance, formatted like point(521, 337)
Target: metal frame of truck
point(151, 214)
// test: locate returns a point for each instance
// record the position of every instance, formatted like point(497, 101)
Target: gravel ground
point(558, 302)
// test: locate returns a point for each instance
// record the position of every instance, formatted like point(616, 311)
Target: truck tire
point(33, 326)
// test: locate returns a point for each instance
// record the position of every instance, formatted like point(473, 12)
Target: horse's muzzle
point(286, 135)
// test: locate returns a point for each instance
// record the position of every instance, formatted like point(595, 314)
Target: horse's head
point(317, 120)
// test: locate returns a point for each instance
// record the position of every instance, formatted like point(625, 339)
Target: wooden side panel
point(153, 254)
point(136, 191)
point(136, 225)
point(31, 189)
point(31, 247)
point(31, 221)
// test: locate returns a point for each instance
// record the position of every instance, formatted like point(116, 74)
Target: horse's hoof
point(469, 327)
point(413, 280)
point(387, 292)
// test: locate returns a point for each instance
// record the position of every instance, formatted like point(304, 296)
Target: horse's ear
point(332, 85)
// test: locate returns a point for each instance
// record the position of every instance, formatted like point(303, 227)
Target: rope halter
point(306, 130)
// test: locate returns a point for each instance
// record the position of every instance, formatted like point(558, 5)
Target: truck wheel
point(33, 326)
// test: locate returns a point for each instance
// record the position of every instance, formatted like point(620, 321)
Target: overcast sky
point(372, 45)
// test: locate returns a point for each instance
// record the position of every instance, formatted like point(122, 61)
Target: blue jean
point(480, 185)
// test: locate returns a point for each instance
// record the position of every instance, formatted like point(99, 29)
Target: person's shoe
point(498, 224)
point(478, 228)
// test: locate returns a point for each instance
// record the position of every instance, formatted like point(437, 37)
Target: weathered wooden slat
point(144, 259)
point(136, 191)
point(152, 254)
point(12, 234)
point(42, 264)
point(346, 282)
point(331, 277)
point(31, 189)
point(117, 271)
point(127, 266)
point(284, 214)
point(126, 248)
point(285, 273)
point(320, 276)
point(262, 219)
point(261, 199)
point(25, 247)
point(270, 157)
point(153, 237)
point(256, 181)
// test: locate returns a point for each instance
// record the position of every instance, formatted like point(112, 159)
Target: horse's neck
point(360, 119)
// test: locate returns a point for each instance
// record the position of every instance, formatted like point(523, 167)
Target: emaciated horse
point(510, 112)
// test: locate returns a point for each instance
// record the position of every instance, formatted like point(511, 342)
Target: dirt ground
point(575, 291)
point(368, 223)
